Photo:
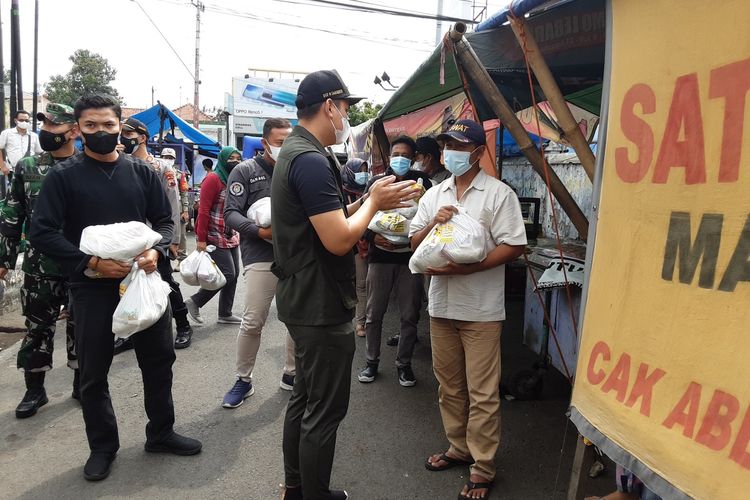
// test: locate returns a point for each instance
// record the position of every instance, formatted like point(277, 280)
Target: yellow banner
point(664, 363)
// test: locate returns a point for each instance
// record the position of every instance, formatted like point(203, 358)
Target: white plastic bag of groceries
point(199, 269)
point(209, 275)
point(141, 305)
point(189, 268)
point(122, 241)
point(462, 240)
point(260, 212)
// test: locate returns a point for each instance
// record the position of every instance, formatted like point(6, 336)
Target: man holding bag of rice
point(467, 306)
point(101, 187)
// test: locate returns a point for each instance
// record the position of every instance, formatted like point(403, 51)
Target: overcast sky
point(235, 35)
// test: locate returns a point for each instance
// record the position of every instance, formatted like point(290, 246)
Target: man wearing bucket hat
point(466, 307)
point(44, 288)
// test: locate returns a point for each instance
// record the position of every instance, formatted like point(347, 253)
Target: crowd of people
point(331, 275)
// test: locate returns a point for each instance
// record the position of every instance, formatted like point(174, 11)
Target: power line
point(382, 40)
point(380, 10)
point(366, 36)
point(165, 39)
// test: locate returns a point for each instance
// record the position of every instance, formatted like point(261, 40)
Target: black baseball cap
point(136, 125)
point(465, 131)
point(321, 85)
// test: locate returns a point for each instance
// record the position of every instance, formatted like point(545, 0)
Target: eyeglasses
point(22, 120)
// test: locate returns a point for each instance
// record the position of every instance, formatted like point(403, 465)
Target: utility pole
point(36, 63)
point(199, 7)
point(2, 77)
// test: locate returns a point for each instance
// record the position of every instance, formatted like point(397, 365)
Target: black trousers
point(177, 303)
point(228, 261)
point(319, 402)
point(154, 349)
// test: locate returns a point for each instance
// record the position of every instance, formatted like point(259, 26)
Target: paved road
point(382, 443)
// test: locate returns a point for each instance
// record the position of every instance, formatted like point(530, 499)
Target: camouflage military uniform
point(44, 290)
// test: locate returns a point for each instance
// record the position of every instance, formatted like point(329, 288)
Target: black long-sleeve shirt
point(82, 192)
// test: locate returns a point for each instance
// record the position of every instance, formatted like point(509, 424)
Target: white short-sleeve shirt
point(16, 145)
point(479, 296)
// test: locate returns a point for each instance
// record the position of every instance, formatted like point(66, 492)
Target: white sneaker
point(194, 311)
point(229, 320)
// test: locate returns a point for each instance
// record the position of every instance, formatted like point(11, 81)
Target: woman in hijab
point(355, 176)
point(210, 230)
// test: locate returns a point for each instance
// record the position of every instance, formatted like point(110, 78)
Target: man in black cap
point(314, 234)
point(466, 307)
point(427, 160)
point(134, 138)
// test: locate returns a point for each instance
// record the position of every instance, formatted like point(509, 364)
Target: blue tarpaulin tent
point(160, 119)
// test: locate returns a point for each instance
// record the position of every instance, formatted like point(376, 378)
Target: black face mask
point(232, 164)
point(130, 144)
point(52, 142)
point(101, 142)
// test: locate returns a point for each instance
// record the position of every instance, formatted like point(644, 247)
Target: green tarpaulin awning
point(571, 37)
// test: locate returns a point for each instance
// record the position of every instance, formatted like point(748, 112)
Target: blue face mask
point(361, 178)
point(400, 165)
point(457, 162)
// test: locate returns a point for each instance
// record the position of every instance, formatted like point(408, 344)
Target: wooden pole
point(477, 73)
point(384, 145)
point(571, 131)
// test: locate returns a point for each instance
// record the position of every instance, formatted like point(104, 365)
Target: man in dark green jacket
point(314, 236)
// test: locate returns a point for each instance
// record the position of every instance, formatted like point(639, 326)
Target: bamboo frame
point(570, 129)
point(478, 74)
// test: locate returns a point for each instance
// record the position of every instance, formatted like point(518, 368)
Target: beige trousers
point(466, 362)
point(260, 287)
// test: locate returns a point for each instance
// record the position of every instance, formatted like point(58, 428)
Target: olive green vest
point(315, 287)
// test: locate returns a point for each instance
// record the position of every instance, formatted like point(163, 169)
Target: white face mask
point(23, 125)
point(273, 151)
point(167, 162)
point(341, 135)
point(417, 165)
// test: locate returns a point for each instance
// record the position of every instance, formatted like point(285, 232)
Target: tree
point(91, 73)
point(363, 111)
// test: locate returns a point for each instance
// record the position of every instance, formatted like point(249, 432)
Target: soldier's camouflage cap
point(57, 114)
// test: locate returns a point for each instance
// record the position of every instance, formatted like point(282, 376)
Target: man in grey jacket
point(249, 182)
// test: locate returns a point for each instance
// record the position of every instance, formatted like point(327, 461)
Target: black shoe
point(184, 337)
point(31, 402)
point(76, 385)
point(98, 466)
point(292, 493)
point(406, 376)
point(35, 396)
point(393, 341)
point(122, 345)
point(175, 444)
point(338, 495)
point(368, 373)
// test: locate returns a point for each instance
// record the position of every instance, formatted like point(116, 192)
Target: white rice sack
point(260, 212)
point(462, 240)
point(122, 241)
